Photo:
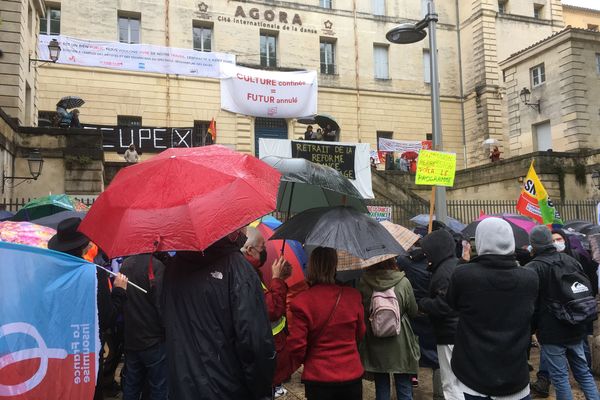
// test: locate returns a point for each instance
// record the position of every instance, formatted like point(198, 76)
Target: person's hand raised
point(281, 269)
point(121, 281)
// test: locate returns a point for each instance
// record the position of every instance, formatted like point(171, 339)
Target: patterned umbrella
point(48, 205)
point(71, 102)
point(25, 233)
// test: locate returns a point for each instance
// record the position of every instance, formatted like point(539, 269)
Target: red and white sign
point(269, 94)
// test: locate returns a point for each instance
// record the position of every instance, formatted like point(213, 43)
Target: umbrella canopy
point(52, 221)
point(48, 205)
point(521, 236)
point(323, 120)
point(293, 252)
point(341, 228)
point(490, 142)
point(181, 199)
point(423, 220)
point(520, 221)
point(405, 237)
point(307, 120)
point(25, 233)
point(410, 155)
point(578, 225)
point(70, 102)
point(5, 215)
point(310, 185)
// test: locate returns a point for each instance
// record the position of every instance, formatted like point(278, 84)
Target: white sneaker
point(280, 391)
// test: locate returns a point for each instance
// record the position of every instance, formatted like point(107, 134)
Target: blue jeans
point(382, 386)
point(543, 369)
point(558, 359)
point(143, 366)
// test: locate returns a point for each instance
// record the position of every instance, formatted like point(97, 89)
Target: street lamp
point(53, 53)
point(525, 96)
point(35, 163)
point(412, 33)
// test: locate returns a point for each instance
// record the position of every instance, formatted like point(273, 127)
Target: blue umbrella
point(454, 224)
point(52, 221)
point(5, 215)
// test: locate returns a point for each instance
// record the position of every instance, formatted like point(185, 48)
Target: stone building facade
point(583, 18)
point(562, 73)
point(473, 37)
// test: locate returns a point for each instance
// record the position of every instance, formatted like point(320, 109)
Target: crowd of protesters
point(210, 327)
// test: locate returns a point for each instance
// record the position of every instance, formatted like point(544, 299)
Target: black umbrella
point(305, 185)
point(307, 120)
point(591, 230)
point(578, 225)
point(70, 102)
point(52, 221)
point(521, 236)
point(341, 228)
point(323, 120)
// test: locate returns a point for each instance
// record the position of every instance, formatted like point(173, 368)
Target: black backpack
point(572, 298)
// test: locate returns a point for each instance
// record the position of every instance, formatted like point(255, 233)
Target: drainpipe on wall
point(462, 94)
point(357, 68)
point(168, 78)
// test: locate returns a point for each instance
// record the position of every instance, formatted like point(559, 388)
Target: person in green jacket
point(399, 354)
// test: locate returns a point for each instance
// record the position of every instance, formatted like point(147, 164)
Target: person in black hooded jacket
point(495, 299)
point(440, 249)
point(218, 334)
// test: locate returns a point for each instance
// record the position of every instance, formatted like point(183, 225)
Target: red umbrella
point(182, 199)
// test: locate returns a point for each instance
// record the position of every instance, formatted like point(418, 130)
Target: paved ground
point(423, 392)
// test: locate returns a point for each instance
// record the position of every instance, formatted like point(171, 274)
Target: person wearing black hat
point(68, 240)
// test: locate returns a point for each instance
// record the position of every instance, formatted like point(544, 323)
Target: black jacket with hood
point(439, 246)
point(218, 335)
point(550, 330)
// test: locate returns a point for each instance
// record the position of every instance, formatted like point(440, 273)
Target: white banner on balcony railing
point(136, 57)
point(268, 94)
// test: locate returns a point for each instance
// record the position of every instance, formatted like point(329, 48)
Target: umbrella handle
point(128, 282)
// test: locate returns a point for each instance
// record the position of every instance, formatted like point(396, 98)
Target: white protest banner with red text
point(269, 94)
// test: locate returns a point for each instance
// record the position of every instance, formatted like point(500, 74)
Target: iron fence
point(402, 211)
point(469, 210)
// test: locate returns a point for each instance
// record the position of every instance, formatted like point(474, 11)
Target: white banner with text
point(269, 94)
point(136, 57)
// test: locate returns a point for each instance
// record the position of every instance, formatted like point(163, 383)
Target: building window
point(378, 7)
point(598, 63)
point(429, 136)
point(538, 75)
point(203, 38)
point(538, 11)
point(502, 7)
point(327, 57)
point(201, 135)
point(326, 3)
point(380, 60)
point(129, 121)
point(385, 135)
point(129, 29)
point(268, 50)
point(592, 27)
point(426, 66)
point(50, 23)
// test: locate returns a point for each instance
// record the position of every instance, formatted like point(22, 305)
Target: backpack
point(385, 313)
point(574, 301)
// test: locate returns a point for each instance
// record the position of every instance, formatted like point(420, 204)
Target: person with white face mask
point(559, 242)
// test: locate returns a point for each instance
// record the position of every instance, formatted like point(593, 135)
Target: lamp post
point(35, 163)
point(596, 178)
point(412, 33)
point(525, 96)
point(53, 53)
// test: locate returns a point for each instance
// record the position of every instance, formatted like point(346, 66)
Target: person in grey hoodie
point(397, 355)
point(440, 249)
point(495, 299)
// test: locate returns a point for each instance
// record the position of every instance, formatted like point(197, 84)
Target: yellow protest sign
point(436, 168)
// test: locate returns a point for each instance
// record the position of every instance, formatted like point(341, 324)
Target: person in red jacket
point(328, 321)
point(255, 252)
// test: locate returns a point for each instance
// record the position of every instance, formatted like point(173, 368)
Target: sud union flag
point(534, 201)
point(48, 325)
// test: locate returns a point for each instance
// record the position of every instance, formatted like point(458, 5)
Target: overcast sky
point(593, 4)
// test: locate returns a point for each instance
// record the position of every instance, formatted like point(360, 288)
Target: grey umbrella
point(52, 221)
point(323, 120)
point(341, 228)
point(71, 102)
point(305, 185)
